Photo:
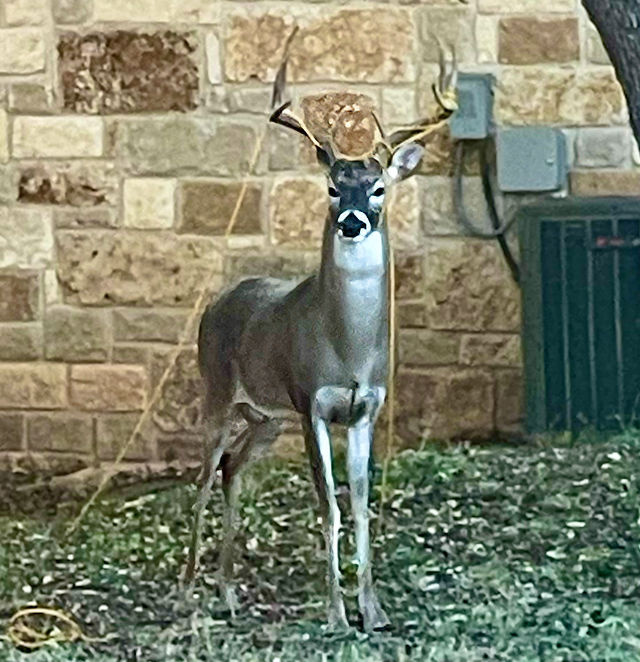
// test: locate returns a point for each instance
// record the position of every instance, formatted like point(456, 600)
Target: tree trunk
point(618, 22)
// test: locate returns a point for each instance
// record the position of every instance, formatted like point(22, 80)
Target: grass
point(521, 553)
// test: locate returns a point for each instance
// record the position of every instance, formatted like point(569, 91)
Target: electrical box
point(472, 120)
point(531, 159)
point(581, 312)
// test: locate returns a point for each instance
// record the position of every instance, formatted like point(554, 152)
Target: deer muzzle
point(353, 224)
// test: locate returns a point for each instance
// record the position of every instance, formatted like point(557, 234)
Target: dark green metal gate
point(581, 312)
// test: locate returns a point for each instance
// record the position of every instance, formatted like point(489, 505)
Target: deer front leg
point(318, 443)
point(360, 438)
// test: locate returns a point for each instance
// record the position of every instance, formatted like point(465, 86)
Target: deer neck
point(353, 294)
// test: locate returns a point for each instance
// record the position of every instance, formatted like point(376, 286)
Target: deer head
point(361, 161)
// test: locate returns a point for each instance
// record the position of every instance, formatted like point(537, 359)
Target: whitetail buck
point(319, 347)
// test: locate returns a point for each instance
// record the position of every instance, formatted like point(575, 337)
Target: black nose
point(351, 226)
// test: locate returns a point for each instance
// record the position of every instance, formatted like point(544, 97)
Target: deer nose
point(353, 223)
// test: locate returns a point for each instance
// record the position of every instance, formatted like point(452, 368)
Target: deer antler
point(446, 95)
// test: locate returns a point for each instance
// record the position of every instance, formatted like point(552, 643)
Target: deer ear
point(405, 160)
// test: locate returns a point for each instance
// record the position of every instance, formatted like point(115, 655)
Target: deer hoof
point(337, 621)
point(373, 617)
point(231, 600)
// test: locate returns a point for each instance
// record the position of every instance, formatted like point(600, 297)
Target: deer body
point(319, 348)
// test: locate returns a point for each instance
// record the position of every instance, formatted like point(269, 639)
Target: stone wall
point(126, 127)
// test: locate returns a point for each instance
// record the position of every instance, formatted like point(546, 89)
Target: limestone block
point(108, 387)
point(57, 137)
point(33, 386)
point(149, 203)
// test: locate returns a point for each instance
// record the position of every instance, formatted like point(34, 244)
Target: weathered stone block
point(73, 334)
point(25, 12)
point(487, 39)
point(531, 95)
point(525, 6)
point(112, 433)
point(26, 238)
point(399, 106)
point(409, 276)
point(468, 287)
point(108, 387)
point(11, 432)
point(372, 45)
point(73, 184)
point(214, 66)
point(85, 217)
point(284, 149)
point(444, 403)
point(251, 100)
point(424, 347)
point(30, 98)
point(4, 137)
point(454, 26)
point(596, 52)
point(298, 211)
point(603, 148)
point(135, 353)
point(60, 433)
point(33, 386)
point(403, 215)
point(52, 293)
point(288, 264)
point(19, 296)
point(20, 342)
point(71, 11)
point(186, 145)
point(412, 315)
point(509, 400)
point(533, 39)
point(149, 203)
point(182, 395)
point(207, 207)
point(148, 325)
point(22, 50)
point(57, 137)
point(605, 182)
point(133, 268)
point(495, 350)
point(146, 72)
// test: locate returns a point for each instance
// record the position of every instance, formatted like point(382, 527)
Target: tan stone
point(214, 66)
point(409, 274)
point(532, 40)
point(182, 395)
point(444, 403)
point(113, 431)
point(398, 106)
point(207, 207)
point(22, 50)
point(20, 342)
point(4, 137)
point(25, 12)
point(454, 27)
point(133, 353)
point(33, 386)
point(19, 296)
point(287, 264)
point(487, 39)
point(596, 52)
point(73, 334)
point(155, 11)
point(83, 184)
point(26, 238)
point(412, 315)
point(149, 203)
point(509, 400)
point(468, 287)
point(52, 292)
point(57, 137)
point(30, 98)
point(186, 145)
point(403, 215)
point(533, 95)
point(85, 217)
point(134, 268)
point(108, 387)
point(605, 182)
point(197, 11)
point(525, 6)
point(67, 433)
point(11, 432)
point(424, 347)
point(495, 350)
point(369, 45)
point(71, 11)
point(148, 325)
point(298, 209)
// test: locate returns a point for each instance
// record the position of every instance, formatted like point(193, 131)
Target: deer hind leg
point(253, 441)
point(318, 444)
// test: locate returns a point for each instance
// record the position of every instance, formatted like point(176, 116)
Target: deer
point(318, 348)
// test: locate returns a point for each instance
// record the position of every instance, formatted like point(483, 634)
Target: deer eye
point(378, 193)
point(333, 192)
